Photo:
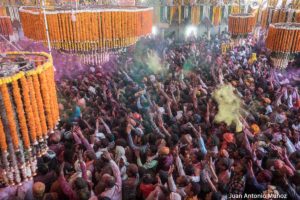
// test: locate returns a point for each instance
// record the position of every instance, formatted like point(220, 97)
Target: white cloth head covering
point(78, 173)
point(100, 135)
point(92, 90)
point(161, 110)
point(179, 114)
point(152, 78)
point(119, 153)
point(139, 131)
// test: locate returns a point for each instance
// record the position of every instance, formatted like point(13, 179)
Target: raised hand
point(129, 128)
point(62, 166)
point(158, 179)
point(210, 162)
point(80, 155)
point(170, 172)
point(137, 153)
point(160, 121)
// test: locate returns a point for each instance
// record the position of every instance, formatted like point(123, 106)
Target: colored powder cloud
point(153, 62)
point(229, 106)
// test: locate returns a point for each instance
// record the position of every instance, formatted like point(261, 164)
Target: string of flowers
point(195, 18)
point(40, 105)
point(3, 145)
point(241, 24)
point(46, 100)
point(21, 114)
point(24, 112)
point(28, 110)
point(89, 30)
point(217, 12)
point(284, 37)
point(56, 108)
point(275, 16)
point(6, 27)
point(10, 116)
point(51, 95)
point(34, 107)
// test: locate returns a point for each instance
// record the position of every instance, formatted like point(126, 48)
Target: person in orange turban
point(255, 128)
point(228, 138)
point(164, 151)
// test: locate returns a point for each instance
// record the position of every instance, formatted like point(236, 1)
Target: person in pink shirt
point(113, 184)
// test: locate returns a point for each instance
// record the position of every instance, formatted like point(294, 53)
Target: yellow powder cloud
point(229, 106)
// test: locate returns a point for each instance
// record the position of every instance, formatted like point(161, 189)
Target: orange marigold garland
point(10, 116)
point(21, 114)
point(39, 100)
point(3, 145)
point(28, 110)
point(23, 109)
point(46, 100)
point(51, 96)
point(283, 37)
point(99, 29)
point(34, 108)
point(54, 94)
point(241, 24)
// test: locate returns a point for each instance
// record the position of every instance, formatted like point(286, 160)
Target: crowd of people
point(128, 133)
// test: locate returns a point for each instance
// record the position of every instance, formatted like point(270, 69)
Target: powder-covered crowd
point(127, 133)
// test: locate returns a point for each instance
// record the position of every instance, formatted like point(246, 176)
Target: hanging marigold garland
point(235, 9)
point(46, 100)
point(3, 145)
point(264, 18)
point(24, 112)
point(89, 30)
point(275, 16)
point(241, 24)
point(284, 37)
point(297, 16)
point(21, 114)
point(10, 116)
point(270, 15)
point(217, 13)
point(195, 18)
point(52, 94)
point(28, 110)
point(6, 27)
point(35, 111)
point(38, 96)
